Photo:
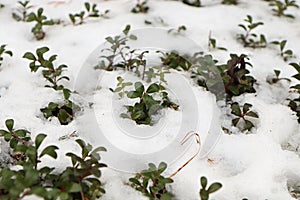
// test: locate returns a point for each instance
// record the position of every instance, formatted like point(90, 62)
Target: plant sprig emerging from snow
point(91, 11)
point(64, 112)
point(78, 181)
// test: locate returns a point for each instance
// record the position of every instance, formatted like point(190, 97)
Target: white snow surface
point(260, 165)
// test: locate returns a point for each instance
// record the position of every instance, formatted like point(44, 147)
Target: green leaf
point(39, 139)
point(67, 93)
point(3, 132)
point(246, 107)
point(87, 6)
point(296, 66)
point(252, 114)
point(75, 187)
point(235, 109)
point(50, 151)
point(21, 132)
point(29, 56)
point(282, 44)
point(139, 88)
point(153, 88)
point(203, 181)
point(13, 143)
point(41, 51)
point(214, 187)
point(134, 94)
point(9, 124)
point(135, 181)
point(277, 72)
point(133, 37)
point(162, 167)
point(137, 115)
point(126, 30)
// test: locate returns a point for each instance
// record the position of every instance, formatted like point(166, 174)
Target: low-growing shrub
point(152, 183)
point(78, 181)
point(41, 21)
point(147, 106)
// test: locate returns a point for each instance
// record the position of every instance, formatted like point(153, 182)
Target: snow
point(259, 165)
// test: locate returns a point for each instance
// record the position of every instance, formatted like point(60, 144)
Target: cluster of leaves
point(119, 51)
point(230, 2)
point(53, 74)
point(4, 51)
point(91, 11)
point(152, 183)
point(204, 193)
point(143, 110)
point(236, 77)
point(280, 7)
point(233, 76)
point(79, 181)
point(21, 13)
point(41, 21)
point(276, 79)
point(140, 7)
point(294, 103)
point(284, 53)
point(212, 43)
point(250, 39)
point(195, 3)
point(242, 116)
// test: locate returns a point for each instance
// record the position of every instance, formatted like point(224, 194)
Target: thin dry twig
point(184, 140)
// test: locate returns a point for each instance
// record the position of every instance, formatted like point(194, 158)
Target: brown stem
point(188, 136)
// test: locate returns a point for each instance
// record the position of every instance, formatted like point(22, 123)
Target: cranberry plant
point(206, 192)
point(150, 101)
point(152, 183)
point(249, 38)
point(117, 55)
point(40, 22)
point(78, 181)
point(276, 78)
point(284, 53)
point(53, 74)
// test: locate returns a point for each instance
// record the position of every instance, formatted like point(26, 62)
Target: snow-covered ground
point(259, 165)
